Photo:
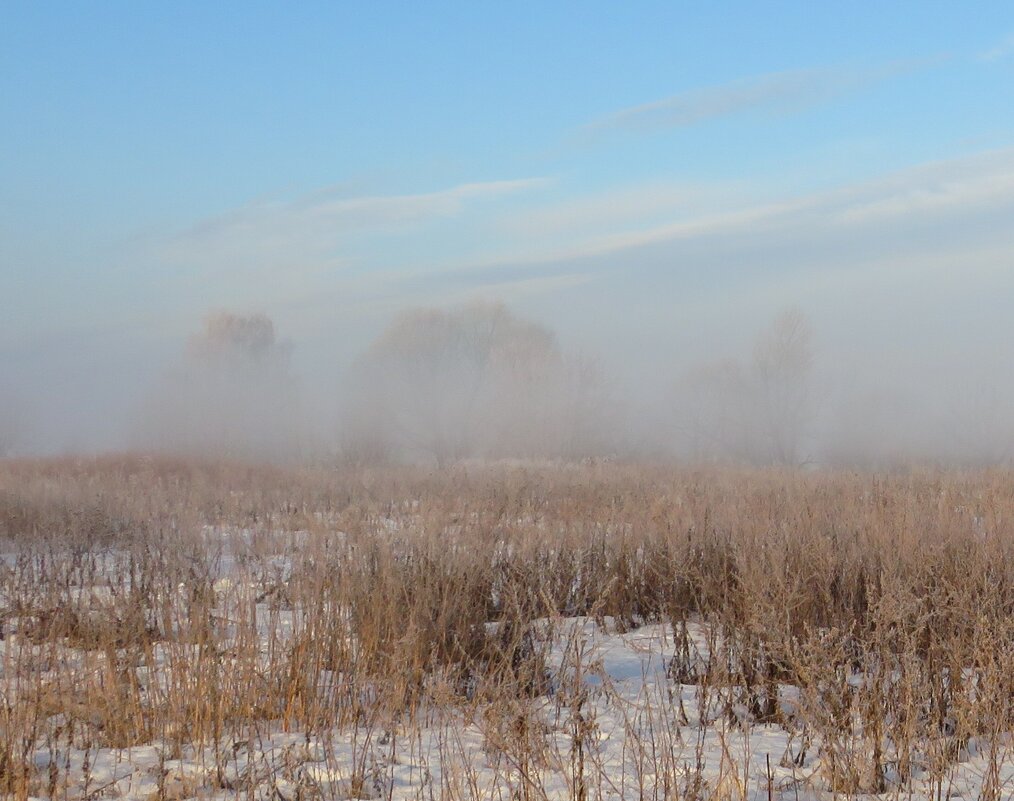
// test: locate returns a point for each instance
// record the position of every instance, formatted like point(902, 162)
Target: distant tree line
point(474, 382)
point(440, 386)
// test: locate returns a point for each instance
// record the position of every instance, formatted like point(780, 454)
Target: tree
point(12, 424)
point(977, 427)
point(713, 412)
point(475, 381)
point(232, 394)
point(782, 366)
point(7, 435)
point(759, 413)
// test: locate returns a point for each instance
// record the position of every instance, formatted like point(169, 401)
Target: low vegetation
point(178, 629)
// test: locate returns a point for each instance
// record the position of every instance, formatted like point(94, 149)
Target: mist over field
point(790, 255)
point(541, 401)
point(481, 379)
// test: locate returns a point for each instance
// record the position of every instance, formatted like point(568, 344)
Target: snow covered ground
point(614, 725)
point(613, 721)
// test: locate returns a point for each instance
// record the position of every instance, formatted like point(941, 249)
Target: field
point(177, 629)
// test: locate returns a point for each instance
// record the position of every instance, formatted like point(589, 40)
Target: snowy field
point(393, 650)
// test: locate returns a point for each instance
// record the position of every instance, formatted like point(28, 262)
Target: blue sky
point(628, 172)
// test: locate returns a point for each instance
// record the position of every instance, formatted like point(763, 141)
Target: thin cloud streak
point(309, 255)
point(776, 93)
point(294, 253)
point(637, 205)
point(1000, 51)
point(850, 228)
point(944, 189)
point(313, 229)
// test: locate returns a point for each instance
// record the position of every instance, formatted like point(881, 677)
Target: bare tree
point(977, 428)
point(12, 424)
point(232, 337)
point(7, 437)
point(232, 393)
point(587, 420)
point(472, 381)
point(760, 413)
point(782, 367)
point(713, 414)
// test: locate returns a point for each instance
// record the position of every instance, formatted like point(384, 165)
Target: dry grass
point(189, 605)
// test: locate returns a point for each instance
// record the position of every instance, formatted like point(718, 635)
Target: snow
point(618, 684)
point(613, 707)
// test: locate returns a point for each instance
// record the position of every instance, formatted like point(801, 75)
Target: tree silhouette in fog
point(758, 412)
point(232, 393)
point(782, 366)
point(12, 423)
point(474, 381)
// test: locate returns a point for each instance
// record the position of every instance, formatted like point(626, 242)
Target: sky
point(646, 178)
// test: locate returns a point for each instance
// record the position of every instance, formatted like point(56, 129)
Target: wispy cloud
point(999, 51)
point(321, 214)
point(316, 230)
point(639, 243)
point(925, 252)
point(635, 206)
point(912, 211)
point(933, 213)
point(773, 93)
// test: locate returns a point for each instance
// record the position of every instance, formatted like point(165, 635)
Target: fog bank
point(482, 380)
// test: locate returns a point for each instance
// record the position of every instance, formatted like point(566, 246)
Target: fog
point(867, 325)
point(691, 234)
point(484, 379)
